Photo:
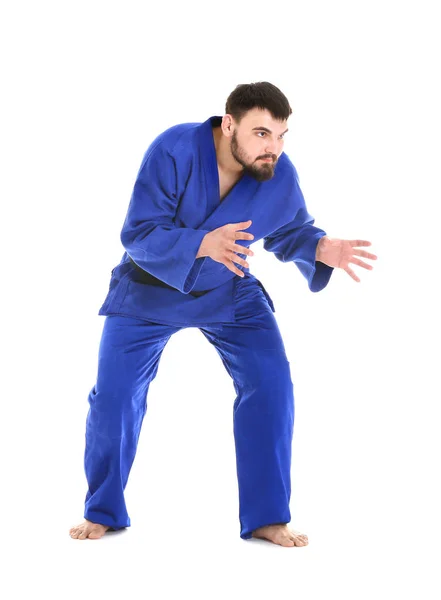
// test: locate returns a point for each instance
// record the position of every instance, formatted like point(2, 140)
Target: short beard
point(262, 173)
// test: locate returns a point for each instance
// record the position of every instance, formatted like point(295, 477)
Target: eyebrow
point(266, 129)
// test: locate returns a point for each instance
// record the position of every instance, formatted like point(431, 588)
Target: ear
point(227, 125)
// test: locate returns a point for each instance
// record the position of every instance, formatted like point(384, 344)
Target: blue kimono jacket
point(175, 203)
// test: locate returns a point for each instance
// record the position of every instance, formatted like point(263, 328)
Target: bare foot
point(281, 534)
point(90, 530)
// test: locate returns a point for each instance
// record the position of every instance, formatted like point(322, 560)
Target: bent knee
point(267, 370)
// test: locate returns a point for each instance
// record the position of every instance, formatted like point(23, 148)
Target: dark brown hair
point(263, 94)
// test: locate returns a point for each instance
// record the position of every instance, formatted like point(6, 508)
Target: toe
point(300, 542)
point(299, 536)
point(83, 535)
point(287, 540)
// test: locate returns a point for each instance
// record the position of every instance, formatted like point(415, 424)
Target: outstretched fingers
point(360, 243)
point(364, 254)
point(361, 263)
point(352, 274)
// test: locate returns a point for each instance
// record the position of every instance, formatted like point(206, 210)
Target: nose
point(271, 149)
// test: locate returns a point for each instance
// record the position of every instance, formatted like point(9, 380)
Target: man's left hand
point(339, 253)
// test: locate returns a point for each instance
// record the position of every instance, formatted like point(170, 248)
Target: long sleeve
point(149, 234)
point(297, 241)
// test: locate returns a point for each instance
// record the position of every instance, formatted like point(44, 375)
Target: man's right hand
point(220, 245)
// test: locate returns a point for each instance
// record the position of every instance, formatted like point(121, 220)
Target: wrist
point(320, 247)
point(201, 252)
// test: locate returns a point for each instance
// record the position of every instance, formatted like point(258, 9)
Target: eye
point(282, 135)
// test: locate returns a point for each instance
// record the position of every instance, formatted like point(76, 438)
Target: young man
point(203, 194)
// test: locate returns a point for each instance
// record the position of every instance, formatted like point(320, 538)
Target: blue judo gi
point(159, 287)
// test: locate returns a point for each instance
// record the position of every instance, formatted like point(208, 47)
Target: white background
point(86, 88)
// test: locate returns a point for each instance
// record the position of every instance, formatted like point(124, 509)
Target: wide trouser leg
point(128, 359)
point(253, 354)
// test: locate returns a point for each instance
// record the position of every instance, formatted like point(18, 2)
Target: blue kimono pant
point(253, 354)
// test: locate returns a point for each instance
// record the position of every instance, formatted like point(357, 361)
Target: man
point(203, 194)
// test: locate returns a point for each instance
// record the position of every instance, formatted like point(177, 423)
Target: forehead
point(261, 117)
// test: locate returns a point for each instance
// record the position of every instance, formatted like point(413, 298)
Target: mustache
point(272, 156)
